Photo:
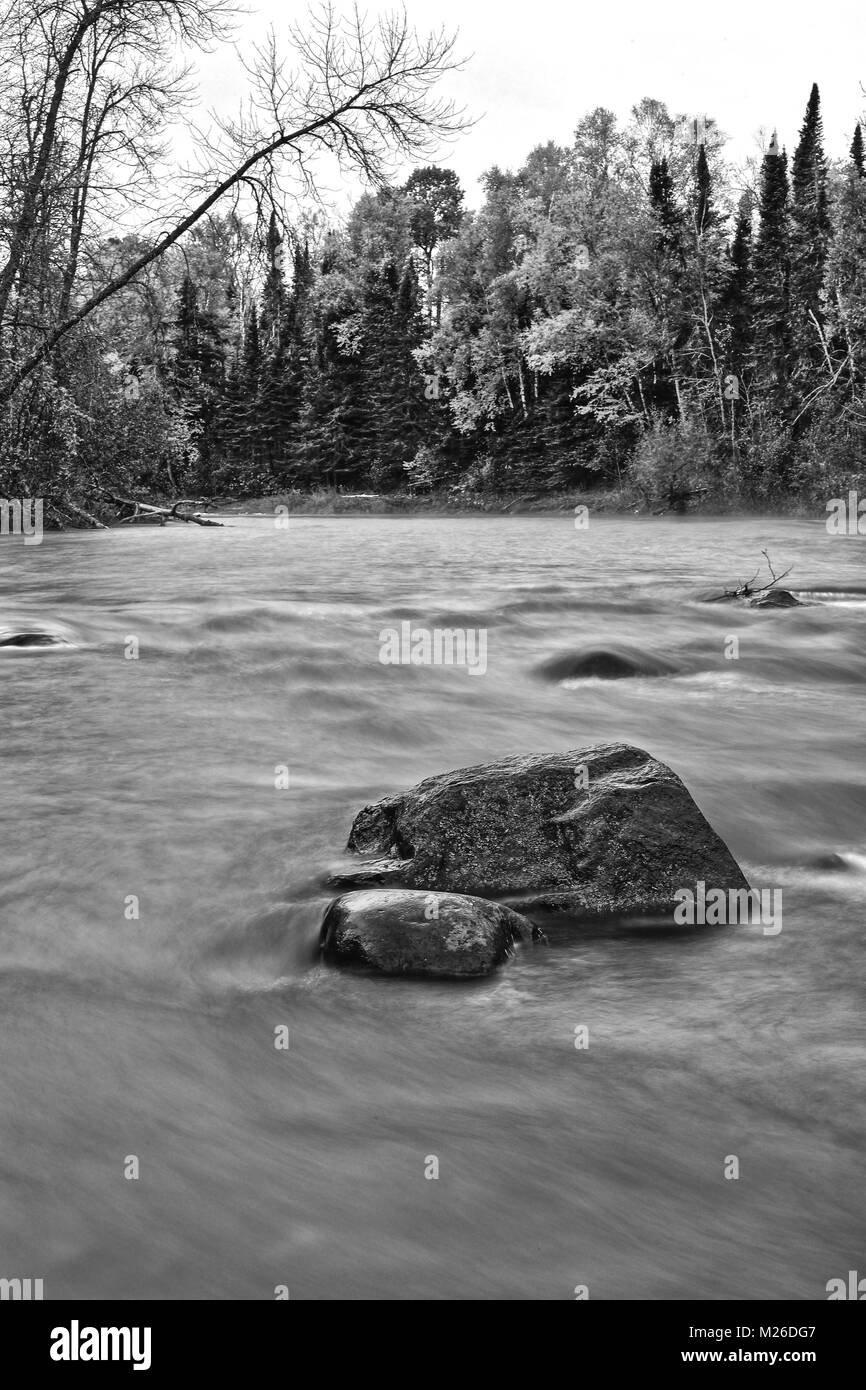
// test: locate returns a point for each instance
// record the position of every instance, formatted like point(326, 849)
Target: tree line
point(628, 311)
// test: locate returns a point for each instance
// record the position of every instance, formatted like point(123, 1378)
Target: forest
point(629, 313)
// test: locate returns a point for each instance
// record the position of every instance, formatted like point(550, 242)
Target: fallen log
point(143, 512)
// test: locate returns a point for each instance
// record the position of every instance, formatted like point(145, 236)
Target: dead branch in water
point(143, 510)
point(747, 589)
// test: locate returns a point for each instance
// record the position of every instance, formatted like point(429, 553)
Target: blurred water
point(259, 647)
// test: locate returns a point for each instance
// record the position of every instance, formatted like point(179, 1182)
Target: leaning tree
point(88, 93)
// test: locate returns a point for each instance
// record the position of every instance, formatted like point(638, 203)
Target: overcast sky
point(536, 66)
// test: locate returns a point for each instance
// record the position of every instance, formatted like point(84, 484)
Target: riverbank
point(451, 502)
point(326, 502)
point(445, 502)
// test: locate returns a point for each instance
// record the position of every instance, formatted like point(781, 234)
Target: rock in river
point(604, 663)
point(31, 640)
point(775, 598)
point(591, 832)
point(401, 932)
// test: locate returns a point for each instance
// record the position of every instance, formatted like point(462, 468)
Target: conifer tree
point(704, 212)
point(198, 373)
point(393, 386)
point(857, 151)
point(772, 269)
point(810, 241)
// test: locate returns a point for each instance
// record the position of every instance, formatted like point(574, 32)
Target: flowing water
point(154, 1036)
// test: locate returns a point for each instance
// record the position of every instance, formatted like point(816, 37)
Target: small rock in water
point(31, 639)
point(604, 663)
point(439, 935)
point(776, 598)
point(830, 863)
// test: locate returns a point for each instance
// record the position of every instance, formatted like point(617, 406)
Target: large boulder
point(591, 832)
point(403, 932)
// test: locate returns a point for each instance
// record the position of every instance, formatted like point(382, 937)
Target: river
point(152, 1036)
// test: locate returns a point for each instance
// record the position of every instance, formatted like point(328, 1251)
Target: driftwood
point(146, 511)
point(747, 589)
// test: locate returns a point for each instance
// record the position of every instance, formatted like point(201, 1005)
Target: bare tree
point(84, 92)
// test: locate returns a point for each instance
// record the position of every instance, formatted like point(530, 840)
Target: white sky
point(536, 66)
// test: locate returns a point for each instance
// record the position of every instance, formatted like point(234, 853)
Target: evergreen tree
point(809, 247)
point(197, 373)
point(664, 205)
point(857, 151)
point(772, 269)
point(393, 385)
point(333, 424)
point(705, 215)
point(666, 290)
point(705, 290)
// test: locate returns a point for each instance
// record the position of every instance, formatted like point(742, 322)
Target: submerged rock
point(772, 598)
point(775, 598)
point(592, 832)
point(829, 863)
point(401, 932)
point(33, 639)
point(604, 663)
point(12, 637)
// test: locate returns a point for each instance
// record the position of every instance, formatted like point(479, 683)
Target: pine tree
point(197, 374)
point(664, 205)
point(666, 291)
point(704, 290)
point(704, 213)
point(772, 268)
point(394, 387)
point(857, 152)
point(333, 426)
point(810, 241)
